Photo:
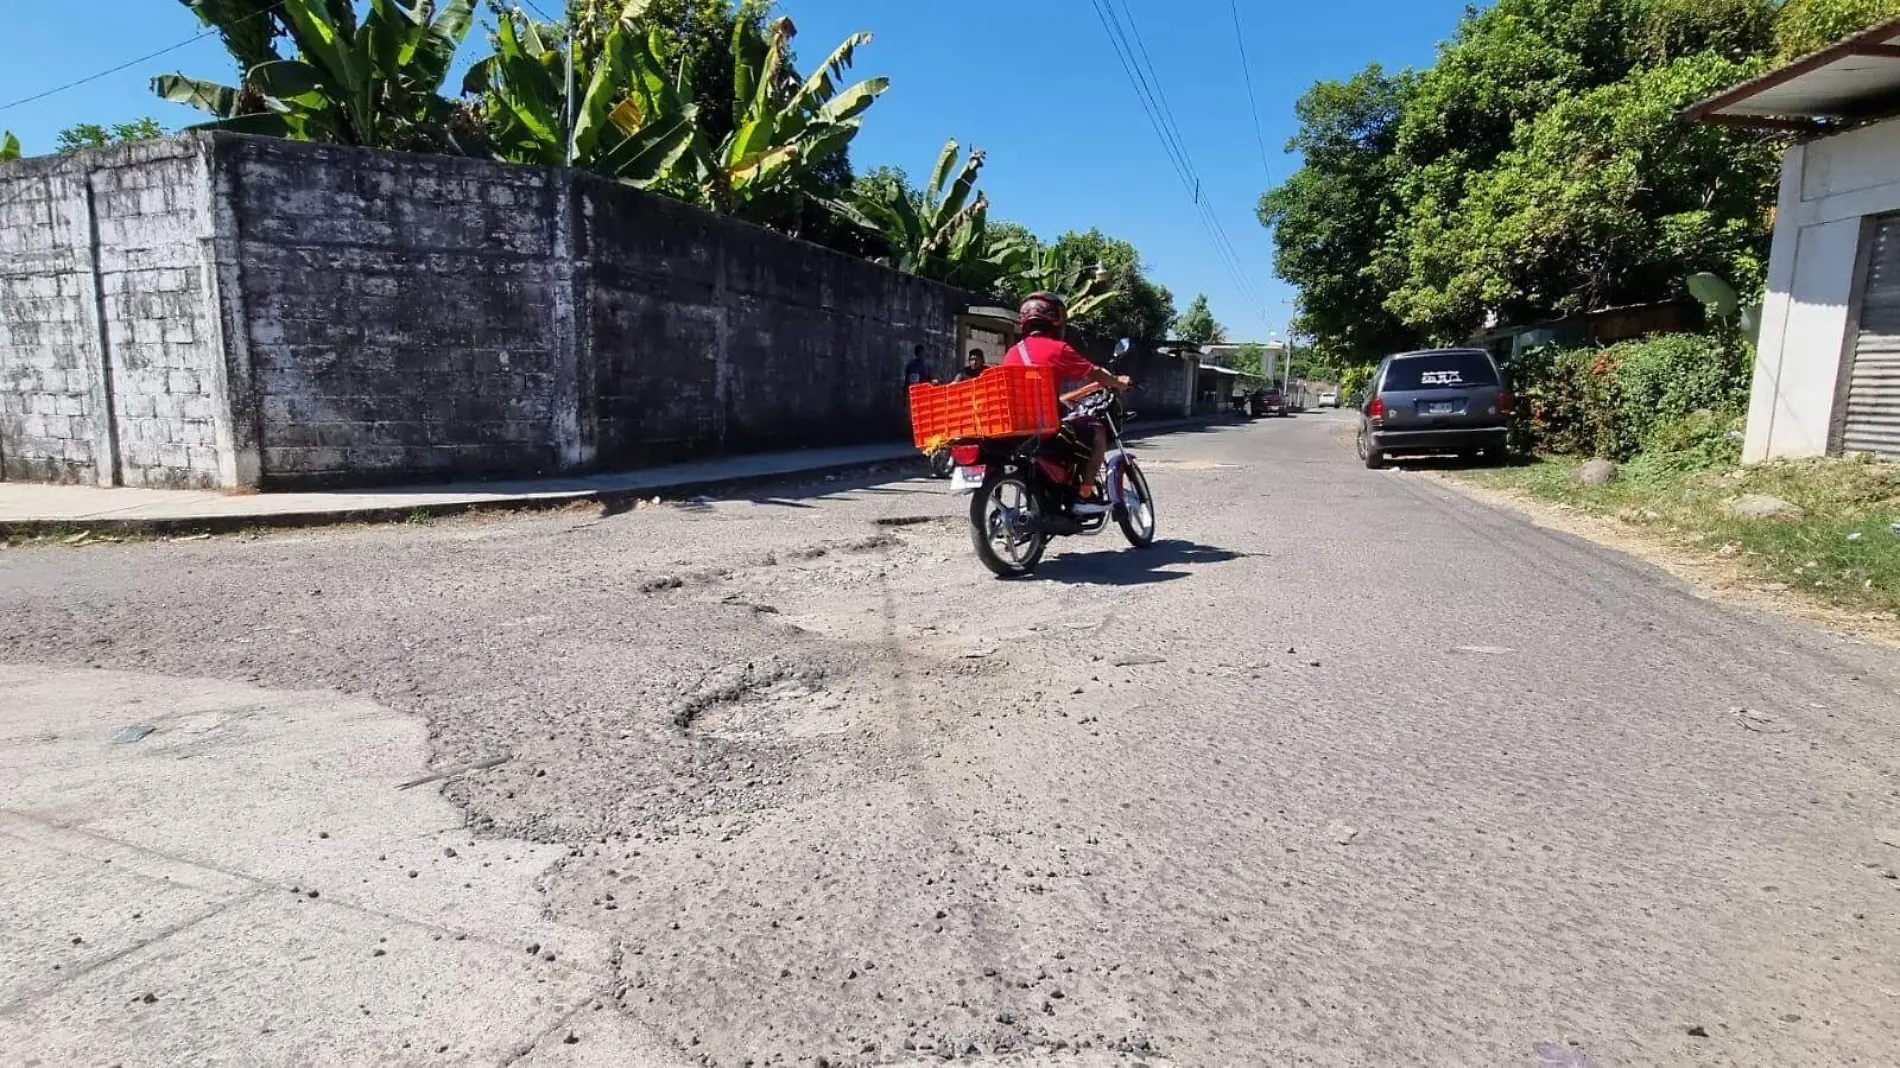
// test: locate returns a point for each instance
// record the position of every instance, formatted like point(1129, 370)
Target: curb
point(231, 524)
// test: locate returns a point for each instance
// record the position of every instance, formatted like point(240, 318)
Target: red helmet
point(1042, 313)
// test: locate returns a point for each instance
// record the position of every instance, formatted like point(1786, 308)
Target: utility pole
point(567, 107)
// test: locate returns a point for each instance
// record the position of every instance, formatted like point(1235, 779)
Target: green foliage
point(1250, 358)
point(1197, 324)
point(93, 135)
point(9, 146)
point(938, 232)
point(374, 80)
point(1804, 26)
point(1134, 307)
point(1539, 167)
point(1618, 401)
point(1355, 380)
point(1337, 211)
point(1608, 197)
point(701, 100)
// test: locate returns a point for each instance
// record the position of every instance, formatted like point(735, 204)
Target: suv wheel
point(1373, 458)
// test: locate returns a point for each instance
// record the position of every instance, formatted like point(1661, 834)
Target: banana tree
point(1030, 266)
point(628, 121)
point(784, 129)
point(941, 232)
point(9, 146)
point(371, 81)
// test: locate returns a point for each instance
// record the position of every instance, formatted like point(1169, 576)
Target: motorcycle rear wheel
point(1005, 515)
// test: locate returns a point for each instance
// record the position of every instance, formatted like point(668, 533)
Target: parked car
point(1438, 401)
point(1266, 402)
point(1329, 400)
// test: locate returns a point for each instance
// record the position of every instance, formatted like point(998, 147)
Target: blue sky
point(1038, 87)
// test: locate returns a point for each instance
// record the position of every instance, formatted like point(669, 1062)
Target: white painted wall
point(1829, 188)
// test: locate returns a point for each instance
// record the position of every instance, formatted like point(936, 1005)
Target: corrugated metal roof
point(1854, 81)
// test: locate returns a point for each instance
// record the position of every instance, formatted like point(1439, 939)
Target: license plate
point(966, 479)
point(1443, 408)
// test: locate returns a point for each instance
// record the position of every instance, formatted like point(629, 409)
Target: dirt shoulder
point(1718, 573)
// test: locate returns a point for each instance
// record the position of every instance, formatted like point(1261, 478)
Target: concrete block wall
point(111, 355)
point(242, 312)
point(400, 314)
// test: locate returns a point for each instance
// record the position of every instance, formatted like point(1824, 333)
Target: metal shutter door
point(1872, 423)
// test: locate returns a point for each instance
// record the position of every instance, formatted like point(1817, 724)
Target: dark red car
point(1266, 402)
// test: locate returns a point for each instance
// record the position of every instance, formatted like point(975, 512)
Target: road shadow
point(1132, 567)
point(1455, 462)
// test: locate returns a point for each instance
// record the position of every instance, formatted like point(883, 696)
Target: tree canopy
point(1197, 324)
point(1539, 167)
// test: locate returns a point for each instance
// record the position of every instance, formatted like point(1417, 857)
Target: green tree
point(1333, 215)
point(1197, 324)
point(1137, 307)
point(1537, 167)
point(93, 135)
point(1609, 197)
point(940, 231)
point(1804, 26)
point(9, 146)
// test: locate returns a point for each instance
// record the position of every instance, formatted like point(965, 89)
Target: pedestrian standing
point(918, 371)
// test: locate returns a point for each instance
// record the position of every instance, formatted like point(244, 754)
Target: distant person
point(918, 372)
point(972, 366)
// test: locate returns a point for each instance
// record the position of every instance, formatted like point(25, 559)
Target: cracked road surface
point(1348, 769)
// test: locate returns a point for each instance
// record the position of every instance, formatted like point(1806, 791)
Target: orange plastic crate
point(1002, 402)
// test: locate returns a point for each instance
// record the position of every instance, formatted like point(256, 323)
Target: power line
point(135, 62)
point(1253, 104)
point(106, 73)
point(1133, 56)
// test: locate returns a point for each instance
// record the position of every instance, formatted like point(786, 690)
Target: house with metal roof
point(1827, 367)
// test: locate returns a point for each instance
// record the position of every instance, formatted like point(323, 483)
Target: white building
point(1827, 370)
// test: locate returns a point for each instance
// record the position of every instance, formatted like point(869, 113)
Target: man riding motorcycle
point(1042, 321)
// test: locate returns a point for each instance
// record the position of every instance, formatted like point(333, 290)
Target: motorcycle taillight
point(965, 455)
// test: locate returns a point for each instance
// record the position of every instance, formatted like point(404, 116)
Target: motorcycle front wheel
point(1006, 527)
point(1137, 512)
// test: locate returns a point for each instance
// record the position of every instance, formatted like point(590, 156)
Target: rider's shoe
point(1089, 506)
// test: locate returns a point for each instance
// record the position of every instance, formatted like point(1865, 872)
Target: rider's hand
point(1123, 382)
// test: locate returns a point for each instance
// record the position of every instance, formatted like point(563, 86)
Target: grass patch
point(1841, 549)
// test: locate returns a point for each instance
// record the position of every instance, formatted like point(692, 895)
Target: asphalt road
point(1346, 770)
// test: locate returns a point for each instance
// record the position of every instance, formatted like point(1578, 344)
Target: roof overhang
point(1847, 84)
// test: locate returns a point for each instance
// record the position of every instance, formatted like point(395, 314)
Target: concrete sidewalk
point(205, 872)
point(37, 508)
point(28, 507)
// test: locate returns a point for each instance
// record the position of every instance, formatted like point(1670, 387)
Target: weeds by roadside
point(1837, 544)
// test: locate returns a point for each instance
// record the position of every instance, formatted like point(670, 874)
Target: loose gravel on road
point(1347, 769)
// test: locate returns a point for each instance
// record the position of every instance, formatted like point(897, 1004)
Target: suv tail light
point(1377, 409)
point(1504, 402)
point(965, 455)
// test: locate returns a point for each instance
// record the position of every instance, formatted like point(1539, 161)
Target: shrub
point(1612, 402)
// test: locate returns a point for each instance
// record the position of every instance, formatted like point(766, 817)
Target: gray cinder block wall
point(111, 361)
point(236, 312)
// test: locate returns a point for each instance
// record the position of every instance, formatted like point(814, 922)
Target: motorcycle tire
point(1019, 565)
point(1140, 535)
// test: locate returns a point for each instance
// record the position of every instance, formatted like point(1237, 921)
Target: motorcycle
point(1025, 487)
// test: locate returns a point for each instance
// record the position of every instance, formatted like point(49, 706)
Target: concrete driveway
point(1348, 769)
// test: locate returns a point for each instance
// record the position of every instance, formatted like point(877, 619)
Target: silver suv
point(1438, 401)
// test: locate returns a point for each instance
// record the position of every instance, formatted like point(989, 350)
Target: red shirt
point(1059, 356)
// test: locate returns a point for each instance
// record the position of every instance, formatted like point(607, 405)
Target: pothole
point(722, 699)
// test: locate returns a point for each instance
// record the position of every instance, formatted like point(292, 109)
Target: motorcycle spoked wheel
point(1005, 527)
point(1136, 516)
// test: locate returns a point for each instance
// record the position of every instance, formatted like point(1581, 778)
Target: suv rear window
point(1440, 370)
